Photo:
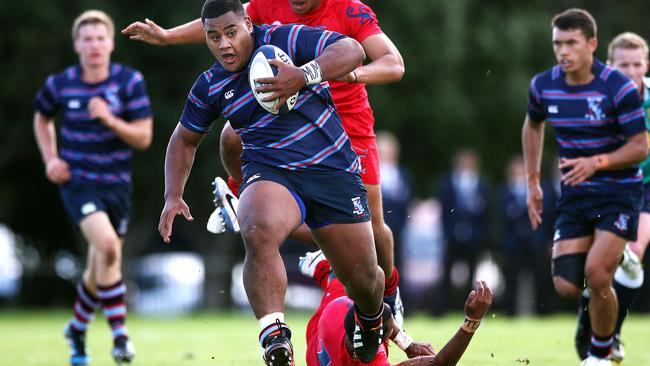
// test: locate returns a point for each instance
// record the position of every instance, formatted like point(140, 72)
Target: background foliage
point(468, 66)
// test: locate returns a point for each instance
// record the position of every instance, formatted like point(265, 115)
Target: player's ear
point(249, 24)
point(593, 44)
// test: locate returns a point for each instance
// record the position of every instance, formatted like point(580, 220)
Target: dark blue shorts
point(646, 198)
point(80, 200)
point(332, 197)
point(579, 216)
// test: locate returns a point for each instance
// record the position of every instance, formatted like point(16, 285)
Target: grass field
point(34, 338)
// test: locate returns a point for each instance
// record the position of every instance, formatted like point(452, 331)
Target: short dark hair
point(575, 18)
point(217, 8)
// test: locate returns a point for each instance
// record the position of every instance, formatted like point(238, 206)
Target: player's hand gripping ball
point(260, 68)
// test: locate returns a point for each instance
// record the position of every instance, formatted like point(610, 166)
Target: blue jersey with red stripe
point(94, 153)
point(591, 119)
point(309, 137)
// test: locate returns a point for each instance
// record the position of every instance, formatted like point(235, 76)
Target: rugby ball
point(261, 68)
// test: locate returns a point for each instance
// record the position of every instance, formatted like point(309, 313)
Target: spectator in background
point(395, 187)
point(464, 196)
point(522, 247)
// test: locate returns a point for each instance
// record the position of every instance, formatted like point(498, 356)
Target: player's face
point(631, 62)
point(304, 6)
point(573, 50)
point(94, 45)
point(229, 39)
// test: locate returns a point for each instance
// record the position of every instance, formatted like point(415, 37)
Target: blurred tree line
point(468, 67)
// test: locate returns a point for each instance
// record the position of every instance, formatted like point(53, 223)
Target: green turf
point(34, 338)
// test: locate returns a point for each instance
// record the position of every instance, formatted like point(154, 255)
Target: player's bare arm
point(386, 64)
point(532, 140)
point(150, 32)
point(137, 133)
point(477, 304)
point(338, 59)
point(634, 151)
point(57, 170)
point(153, 34)
point(178, 164)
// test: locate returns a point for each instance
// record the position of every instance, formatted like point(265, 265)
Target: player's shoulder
point(121, 70)
point(211, 81)
point(546, 77)
point(62, 77)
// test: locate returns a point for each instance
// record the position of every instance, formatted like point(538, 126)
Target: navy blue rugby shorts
point(580, 215)
point(81, 200)
point(324, 197)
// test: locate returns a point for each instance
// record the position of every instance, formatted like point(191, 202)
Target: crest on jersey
point(595, 111)
point(111, 96)
point(622, 221)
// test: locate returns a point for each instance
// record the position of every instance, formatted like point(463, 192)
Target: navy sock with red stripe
point(114, 308)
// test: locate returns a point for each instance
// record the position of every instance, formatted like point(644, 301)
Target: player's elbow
point(397, 72)
point(641, 148)
point(144, 141)
point(356, 52)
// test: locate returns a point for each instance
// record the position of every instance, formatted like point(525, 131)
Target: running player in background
point(597, 115)
point(106, 113)
point(355, 20)
point(313, 176)
point(628, 53)
point(329, 330)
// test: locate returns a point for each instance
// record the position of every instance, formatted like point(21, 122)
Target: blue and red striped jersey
point(591, 119)
point(94, 153)
point(309, 137)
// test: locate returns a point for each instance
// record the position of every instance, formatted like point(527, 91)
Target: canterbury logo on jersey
point(229, 94)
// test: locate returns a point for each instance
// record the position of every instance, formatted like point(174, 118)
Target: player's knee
point(597, 276)
point(365, 280)
point(258, 235)
point(109, 252)
point(568, 274)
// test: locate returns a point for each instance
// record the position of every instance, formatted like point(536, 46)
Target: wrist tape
point(470, 325)
point(313, 73)
point(403, 340)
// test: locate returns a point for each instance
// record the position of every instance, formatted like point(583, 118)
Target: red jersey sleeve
point(361, 21)
point(253, 12)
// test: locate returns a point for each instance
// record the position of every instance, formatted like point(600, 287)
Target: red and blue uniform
point(326, 332)
point(355, 20)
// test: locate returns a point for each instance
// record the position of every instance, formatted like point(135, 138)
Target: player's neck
point(581, 76)
point(95, 74)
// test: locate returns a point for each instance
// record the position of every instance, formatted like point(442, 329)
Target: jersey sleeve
point(253, 12)
point(630, 112)
point(198, 115)
point(47, 98)
point(535, 108)
point(305, 43)
point(360, 21)
point(138, 105)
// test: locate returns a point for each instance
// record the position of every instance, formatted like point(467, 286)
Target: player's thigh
point(268, 208)
point(643, 235)
point(604, 254)
point(568, 265)
point(366, 149)
point(99, 232)
point(375, 203)
point(348, 247)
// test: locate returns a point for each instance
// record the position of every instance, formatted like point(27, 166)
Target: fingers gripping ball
point(260, 68)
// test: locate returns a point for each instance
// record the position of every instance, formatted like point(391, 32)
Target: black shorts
point(80, 200)
point(324, 197)
point(580, 216)
point(646, 198)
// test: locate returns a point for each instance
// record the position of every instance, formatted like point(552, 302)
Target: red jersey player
point(351, 18)
point(328, 345)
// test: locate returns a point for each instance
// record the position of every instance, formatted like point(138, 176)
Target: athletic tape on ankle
point(403, 340)
point(470, 325)
point(313, 73)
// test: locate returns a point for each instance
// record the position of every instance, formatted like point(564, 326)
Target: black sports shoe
point(583, 332)
point(278, 350)
point(123, 351)
point(618, 351)
point(365, 342)
point(77, 342)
